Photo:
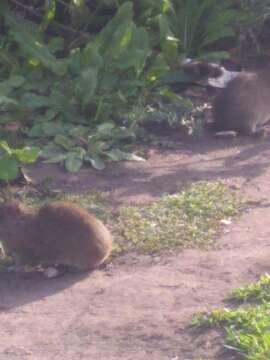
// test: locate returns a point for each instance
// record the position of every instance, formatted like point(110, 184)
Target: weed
point(248, 327)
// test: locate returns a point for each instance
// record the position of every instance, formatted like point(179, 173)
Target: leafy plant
point(11, 159)
point(74, 111)
point(247, 328)
point(197, 24)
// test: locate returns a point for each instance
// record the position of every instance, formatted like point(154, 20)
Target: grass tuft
point(247, 328)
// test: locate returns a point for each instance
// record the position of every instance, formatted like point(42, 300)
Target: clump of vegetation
point(260, 291)
point(11, 160)
point(187, 219)
point(246, 328)
point(71, 72)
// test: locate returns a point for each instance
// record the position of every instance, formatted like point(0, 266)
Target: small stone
point(226, 221)
point(51, 272)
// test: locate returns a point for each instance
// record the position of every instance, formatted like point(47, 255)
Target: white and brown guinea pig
point(243, 105)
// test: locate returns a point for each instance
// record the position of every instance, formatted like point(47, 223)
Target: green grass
point(189, 218)
point(247, 327)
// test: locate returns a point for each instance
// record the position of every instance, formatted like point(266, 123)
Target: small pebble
point(51, 272)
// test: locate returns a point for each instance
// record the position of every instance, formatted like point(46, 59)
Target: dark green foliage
point(11, 159)
point(69, 70)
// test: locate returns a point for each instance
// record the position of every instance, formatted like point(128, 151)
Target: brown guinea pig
point(58, 233)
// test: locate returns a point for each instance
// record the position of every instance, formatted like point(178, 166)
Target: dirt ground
point(140, 307)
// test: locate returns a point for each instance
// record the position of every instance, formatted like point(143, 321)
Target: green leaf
point(53, 152)
point(27, 36)
point(105, 129)
point(27, 155)
point(78, 131)
point(157, 69)
point(9, 168)
point(135, 50)
point(73, 162)
point(35, 101)
point(4, 145)
point(36, 131)
point(56, 159)
point(86, 85)
point(55, 128)
point(64, 141)
point(4, 100)
point(90, 57)
point(169, 43)
point(7, 86)
point(104, 39)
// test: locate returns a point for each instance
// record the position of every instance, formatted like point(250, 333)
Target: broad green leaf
point(34, 101)
point(55, 128)
point(16, 81)
point(120, 40)
point(157, 69)
point(56, 159)
point(4, 145)
point(86, 85)
point(79, 151)
point(4, 100)
point(104, 39)
point(13, 82)
point(36, 130)
point(64, 141)
point(51, 151)
point(90, 57)
point(28, 38)
point(9, 168)
point(105, 129)
point(169, 43)
point(78, 131)
point(73, 162)
point(108, 81)
point(27, 155)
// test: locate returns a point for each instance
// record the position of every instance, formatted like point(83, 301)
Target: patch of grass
point(189, 218)
point(247, 328)
point(260, 291)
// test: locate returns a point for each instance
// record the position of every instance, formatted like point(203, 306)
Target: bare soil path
point(140, 307)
